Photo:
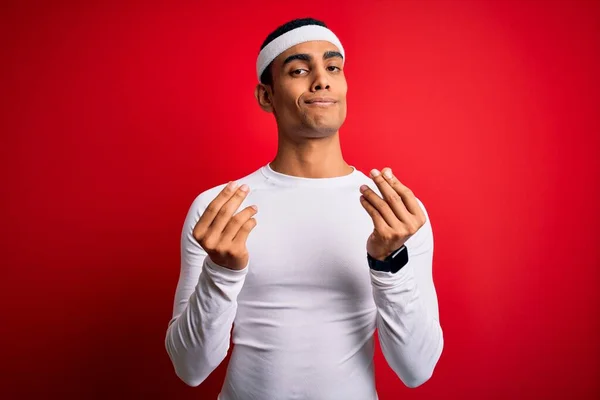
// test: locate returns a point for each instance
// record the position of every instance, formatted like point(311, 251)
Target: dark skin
point(308, 100)
point(308, 144)
point(309, 135)
point(303, 73)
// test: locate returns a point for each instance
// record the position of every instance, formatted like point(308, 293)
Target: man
point(282, 253)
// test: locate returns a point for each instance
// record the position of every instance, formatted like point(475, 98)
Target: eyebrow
point(308, 57)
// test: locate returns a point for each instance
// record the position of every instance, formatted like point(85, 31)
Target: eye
point(333, 68)
point(299, 72)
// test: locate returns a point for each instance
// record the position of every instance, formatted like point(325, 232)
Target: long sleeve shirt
point(304, 311)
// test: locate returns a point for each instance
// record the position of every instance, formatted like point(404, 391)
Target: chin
point(322, 127)
point(322, 131)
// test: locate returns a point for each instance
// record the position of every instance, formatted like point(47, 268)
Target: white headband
point(291, 38)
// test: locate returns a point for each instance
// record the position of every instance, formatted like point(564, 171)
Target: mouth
point(320, 101)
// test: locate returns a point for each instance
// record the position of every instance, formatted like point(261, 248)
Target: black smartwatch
point(392, 263)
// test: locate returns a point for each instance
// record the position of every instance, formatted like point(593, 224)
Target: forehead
point(315, 48)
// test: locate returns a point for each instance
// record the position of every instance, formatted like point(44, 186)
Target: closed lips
point(320, 100)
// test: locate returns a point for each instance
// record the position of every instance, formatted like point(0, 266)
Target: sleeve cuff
point(388, 279)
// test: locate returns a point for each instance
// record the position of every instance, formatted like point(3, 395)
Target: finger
point(236, 222)
point(390, 195)
point(408, 197)
point(213, 209)
point(227, 210)
point(242, 235)
point(378, 220)
point(380, 205)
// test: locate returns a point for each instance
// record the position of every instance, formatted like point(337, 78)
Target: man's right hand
point(222, 235)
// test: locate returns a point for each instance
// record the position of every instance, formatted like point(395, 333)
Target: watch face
point(396, 266)
point(392, 264)
point(400, 250)
point(400, 260)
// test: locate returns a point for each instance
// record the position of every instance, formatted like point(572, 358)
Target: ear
point(264, 96)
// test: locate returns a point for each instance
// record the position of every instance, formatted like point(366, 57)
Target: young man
point(307, 255)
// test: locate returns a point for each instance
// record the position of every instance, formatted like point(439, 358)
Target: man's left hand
point(396, 217)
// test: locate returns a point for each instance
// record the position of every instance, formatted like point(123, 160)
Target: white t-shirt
point(305, 308)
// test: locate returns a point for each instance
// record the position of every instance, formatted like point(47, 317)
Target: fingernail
point(232, 185)
point(375, 173)
point(363, 188)
point(388, 173)
point(254, 208)
point(244, 188)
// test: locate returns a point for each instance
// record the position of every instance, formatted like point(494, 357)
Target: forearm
point(409, 332)
point(198, 338)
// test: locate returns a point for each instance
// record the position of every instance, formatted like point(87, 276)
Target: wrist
point(393, 262)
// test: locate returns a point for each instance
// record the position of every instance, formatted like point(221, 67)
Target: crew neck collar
point(290, 180)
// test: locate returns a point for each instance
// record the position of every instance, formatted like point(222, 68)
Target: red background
point(115, 117)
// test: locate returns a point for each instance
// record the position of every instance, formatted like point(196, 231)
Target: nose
point(321, 80)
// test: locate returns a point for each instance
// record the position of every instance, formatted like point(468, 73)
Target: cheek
point(288, 97)
point(344, 89)
point(281, 102)
point(291, 105)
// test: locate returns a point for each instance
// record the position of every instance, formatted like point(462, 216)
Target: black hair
point(267, 76)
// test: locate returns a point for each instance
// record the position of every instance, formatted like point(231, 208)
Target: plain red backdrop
point(114, 117)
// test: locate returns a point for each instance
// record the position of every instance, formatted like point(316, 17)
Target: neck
point(310, 157)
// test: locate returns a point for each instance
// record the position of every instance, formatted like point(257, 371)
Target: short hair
point(266, 77)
